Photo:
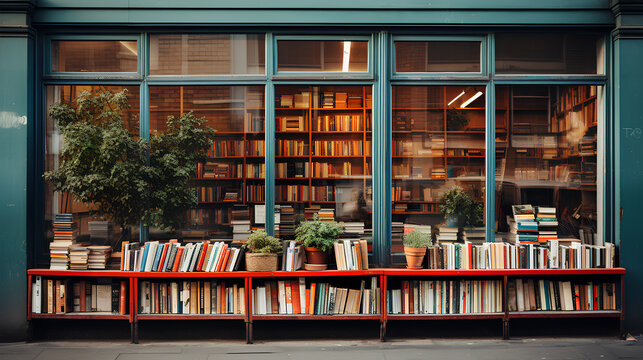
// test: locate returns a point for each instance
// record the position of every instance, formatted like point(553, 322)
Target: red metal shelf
point(81, 316)
point(303, 273)
point(564, 314)
point(502, 272)
point(444, 316)
point(200, 274)
point(74, 273)
point(190, 316)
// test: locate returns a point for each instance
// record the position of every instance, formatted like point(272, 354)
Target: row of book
point(415, 193)
point(445, 297)
point(341, 148)
point(296, 169)
point(351, 254)
point(554, 295)
point(291, 148)
point(226, 148)
point(418, 171)
point(291, 193)
point(216, 193)
point(420, 145)
point(499, 255)
point(345, 168)
point(191, 297)
point(256, 148)
point(324, 100)
point(297, 297)
point(172, 257)
point(531, 225)
point(290, 123)
point(340, 123)
point(213, 170)
point(59, 296)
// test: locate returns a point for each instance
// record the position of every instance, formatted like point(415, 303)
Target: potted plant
point(127, 179)
point(415, 245)
point(262, 251)
point(460, 208)
point(318, 238)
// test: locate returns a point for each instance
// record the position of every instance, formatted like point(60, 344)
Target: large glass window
point(230, 184)
point(328, 55)
point(94, 56)
point(57, 203)
point(437, 56)
point(438, 146)
point(546, 157)
point(541, 53)
point(207, 54)
point(323, 157)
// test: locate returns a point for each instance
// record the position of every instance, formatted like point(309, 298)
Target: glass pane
point(340, 56)
point(230, 184)
point(58, 203)
point(323, 157)
point(94, 56)
point(546, 157)
point(437, 56)
point(207, 54)
point(438, 146)
point(548, 53)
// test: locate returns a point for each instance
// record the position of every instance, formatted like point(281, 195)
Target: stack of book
point(326, 214)
point(474, 235)
point(292, 256)
point(447, 234)
point(172, 257)
point(523, 227)
point(328, 100)
point(64, 237)
point(78, 256)
point(397, 235)
point(191, 297)
point(98, 256)
point(551, 295)
point(446, 297)
point(51, 296)
point(240, 222)
point(547, 224)
point(351, 254)
point(296, 297)
point(354, 227)
point(100, 232)
point(287, 221)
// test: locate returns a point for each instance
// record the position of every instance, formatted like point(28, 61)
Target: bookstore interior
point(493, 188)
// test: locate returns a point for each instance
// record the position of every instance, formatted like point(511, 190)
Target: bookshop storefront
point(382, 117)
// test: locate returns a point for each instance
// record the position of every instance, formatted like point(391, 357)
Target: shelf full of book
point(374, 294)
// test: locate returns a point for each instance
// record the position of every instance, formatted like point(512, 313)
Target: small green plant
point(460, 204)
point(259, 242)
point(318, 234)
point(416, 239)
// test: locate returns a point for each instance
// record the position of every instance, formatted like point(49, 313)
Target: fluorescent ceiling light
point(455, 98)
point(347, 56)
point(477, 95)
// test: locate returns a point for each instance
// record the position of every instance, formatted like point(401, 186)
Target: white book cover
point(174, 286)
point(189, 249)
point(36, 297)
point(234, 257)
point(520, 295)
point(302, 294)
point(348, 255)
point(185, 297)
point(567, 293)
point(213, 255)
point(261, 300)
point(282, 297)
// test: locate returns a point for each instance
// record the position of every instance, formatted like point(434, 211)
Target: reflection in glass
point(527, 53)
point(546, 155)
point(230, 184)
point(94, 56)
point(337, 56)
point(323, 157)
point(58, 203)
point(437, 56)
point(438, 144)
point(207, 54)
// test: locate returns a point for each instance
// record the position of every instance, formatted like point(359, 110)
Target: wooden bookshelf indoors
point(378, 295)
point(323, 160)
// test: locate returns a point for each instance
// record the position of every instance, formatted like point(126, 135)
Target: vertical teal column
point(627, 76)
point(382, 154)
point(269, 124)
point(16, 114)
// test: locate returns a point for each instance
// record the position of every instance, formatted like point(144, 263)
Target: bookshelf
point(323, 154)
point(438, 135)
point(231, 182)
point(385, 279)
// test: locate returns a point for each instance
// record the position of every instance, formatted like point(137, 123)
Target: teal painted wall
point(628, 77)
point(15, 111)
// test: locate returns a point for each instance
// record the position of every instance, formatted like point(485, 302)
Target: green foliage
point(417, 239)
point(459, 203)
point(318, 234)
point(457, 119)
point(127, 179)
point(259, 242)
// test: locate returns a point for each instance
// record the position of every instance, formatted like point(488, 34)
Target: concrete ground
point(524, 349)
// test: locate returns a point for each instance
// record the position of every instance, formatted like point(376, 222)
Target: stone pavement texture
point(525, 349)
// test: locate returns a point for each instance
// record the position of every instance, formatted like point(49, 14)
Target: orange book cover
point(205, 250)
point(82, 292)
point(123, 253)
point(224, 260)
point(307, 301)
point(163, 254)
point(274, 297)
point(220, 257)
point(311, 303)
point(296, 300)
point(123, 302)
point(177, 260)
point(358, 255)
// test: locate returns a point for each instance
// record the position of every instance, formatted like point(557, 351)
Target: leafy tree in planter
point(128, 180)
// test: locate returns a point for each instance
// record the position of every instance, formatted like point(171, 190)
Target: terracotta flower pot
point(261, 262)
point(315, 256)
point(414, 257)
